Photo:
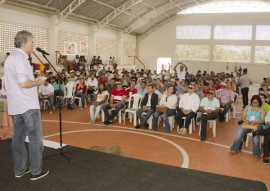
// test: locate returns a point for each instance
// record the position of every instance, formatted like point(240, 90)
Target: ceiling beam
point(70, 8)
point(48, 3)
point(117, 11)
point(162, 8)
point(2, 2)
point(158, 11)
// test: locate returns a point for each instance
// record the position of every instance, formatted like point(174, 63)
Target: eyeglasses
point(118, 84)
point(190, 88)
point(211, 93)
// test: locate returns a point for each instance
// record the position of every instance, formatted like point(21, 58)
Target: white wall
point(17, 15)
point(162, 42)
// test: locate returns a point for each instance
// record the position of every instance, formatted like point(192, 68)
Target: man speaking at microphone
point(23, 106)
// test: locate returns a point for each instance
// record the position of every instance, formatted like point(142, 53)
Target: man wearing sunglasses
point(188, 106)
point(210, 110)
point(117, 101)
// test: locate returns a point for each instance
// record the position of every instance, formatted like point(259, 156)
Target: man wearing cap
point(45, 92)
point(72, 77)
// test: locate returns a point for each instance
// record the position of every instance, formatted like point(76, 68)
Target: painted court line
point(160, 133)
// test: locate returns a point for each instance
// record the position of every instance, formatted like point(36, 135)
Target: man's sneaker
point(180, 130)
point(108, 122)
point(265, 160)
point(138, 126)
point(41, 175)
point(184, 131)
point(21, 175)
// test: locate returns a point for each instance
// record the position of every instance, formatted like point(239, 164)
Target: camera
point(240, 122)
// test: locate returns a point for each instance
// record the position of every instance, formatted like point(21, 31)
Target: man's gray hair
point(22, 37)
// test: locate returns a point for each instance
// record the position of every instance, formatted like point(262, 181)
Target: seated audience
point(148, 106)
point(72, 76)
point(188, 106)
point(254, 115)
point(45, 92)
point(168, 100)
point(92, 85)
point(266, 143)
point(142, 90)
point(210, 110)
point(226, 97)
point(80, 90)
point(117, 101)
point(99, 101)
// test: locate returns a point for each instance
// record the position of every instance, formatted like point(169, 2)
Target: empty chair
point(134, 103)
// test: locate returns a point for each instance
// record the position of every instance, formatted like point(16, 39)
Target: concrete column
point(93, 30)
point(119, 49)
point(53, 38)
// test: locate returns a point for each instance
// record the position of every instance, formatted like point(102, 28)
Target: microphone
point(42, 51)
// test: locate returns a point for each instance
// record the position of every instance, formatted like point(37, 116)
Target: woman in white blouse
point(169, 100)
point(100, 99)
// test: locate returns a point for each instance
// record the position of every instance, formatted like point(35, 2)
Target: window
point(193, 32)
point(262, 54)
point(192, 52)
point(263, 32)
point(164, 64)
point(229, 7)
point(230, 53)
point(9, 30)
point(233, 32)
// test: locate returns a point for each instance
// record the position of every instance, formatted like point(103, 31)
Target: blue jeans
point(106, 109)
point(143, 120)
point(222, 113)
point(242, 132)
point(93, 114)
point(28, 123)
point(82, 96)
point(170, 112)
point(180, 121)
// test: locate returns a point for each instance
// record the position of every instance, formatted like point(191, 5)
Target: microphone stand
point(61, 152)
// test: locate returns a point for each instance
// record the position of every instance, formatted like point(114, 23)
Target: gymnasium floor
point(172, 149)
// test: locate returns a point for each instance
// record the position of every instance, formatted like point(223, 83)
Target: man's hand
point(40, 80)
point(145, 108)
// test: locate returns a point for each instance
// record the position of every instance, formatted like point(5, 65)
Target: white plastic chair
point(191, 125)
point(234, 104)
point(213, 125)
point(249, 135)
point(69, 92)
point(43, 104)
point(119, 115)
point(136, 98)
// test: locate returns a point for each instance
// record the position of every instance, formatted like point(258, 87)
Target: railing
point(58, 56)
point(39, 59)
point(136, 58)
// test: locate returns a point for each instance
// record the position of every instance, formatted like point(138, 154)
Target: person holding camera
point(80, 90)
point(182, 72)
